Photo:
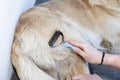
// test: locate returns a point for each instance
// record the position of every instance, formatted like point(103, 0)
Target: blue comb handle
point(68, 45)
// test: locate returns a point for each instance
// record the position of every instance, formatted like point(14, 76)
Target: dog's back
point(32, 56)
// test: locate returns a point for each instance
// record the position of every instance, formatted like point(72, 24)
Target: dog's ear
point(113, 5)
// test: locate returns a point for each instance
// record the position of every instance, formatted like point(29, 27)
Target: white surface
point(10, 11)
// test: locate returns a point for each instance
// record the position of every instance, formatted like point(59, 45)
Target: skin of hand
point(94, 56)
point(90, 54)
point(87, 51)
point(86, 77)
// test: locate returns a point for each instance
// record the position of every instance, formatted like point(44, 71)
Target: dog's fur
point(93, 21)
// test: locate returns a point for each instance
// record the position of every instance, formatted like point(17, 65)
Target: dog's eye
point(56, 39)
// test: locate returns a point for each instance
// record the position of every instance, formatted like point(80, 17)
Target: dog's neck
point(111, 5)
point(71, 6)
point(84, 12)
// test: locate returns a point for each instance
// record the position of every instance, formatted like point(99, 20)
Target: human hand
point(86, 77)
point(88, 52)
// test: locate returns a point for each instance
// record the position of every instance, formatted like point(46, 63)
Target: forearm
point(94, 56)
point(112, 60)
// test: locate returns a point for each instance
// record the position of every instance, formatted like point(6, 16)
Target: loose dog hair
point(91, 21)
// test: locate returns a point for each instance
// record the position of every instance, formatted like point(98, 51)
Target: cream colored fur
point(93, 21)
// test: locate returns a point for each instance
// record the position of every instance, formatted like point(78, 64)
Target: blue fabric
point(40, 1)
point(106, 72)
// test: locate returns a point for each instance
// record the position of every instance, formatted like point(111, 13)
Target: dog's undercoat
point(78, 20)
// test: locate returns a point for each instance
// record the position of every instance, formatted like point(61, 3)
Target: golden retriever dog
point(91, 21)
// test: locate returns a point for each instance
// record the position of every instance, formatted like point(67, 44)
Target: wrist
point(108, 59)
point(112, 60)
point(102, 58)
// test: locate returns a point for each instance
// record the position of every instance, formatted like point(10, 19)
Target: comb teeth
point(55, 37)
point(68, 45)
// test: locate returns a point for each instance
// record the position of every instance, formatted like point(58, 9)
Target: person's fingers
point(86, 77)
point(80, 45)
point(76, 78)
point(80, 52)
point(97, 76)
